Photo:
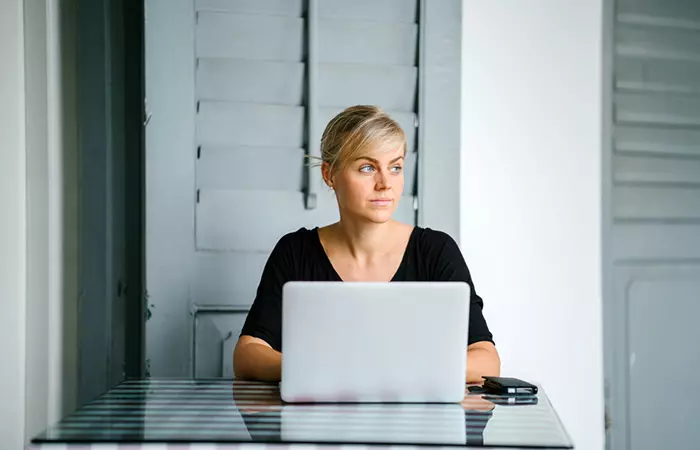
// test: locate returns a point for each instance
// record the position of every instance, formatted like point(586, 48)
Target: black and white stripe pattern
point(221, 414)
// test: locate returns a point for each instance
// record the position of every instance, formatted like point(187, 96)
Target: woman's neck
point(365, 240)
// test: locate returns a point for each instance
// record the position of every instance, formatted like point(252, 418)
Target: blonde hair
point(355, 130)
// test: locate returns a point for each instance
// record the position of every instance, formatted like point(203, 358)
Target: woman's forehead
point(384, 151)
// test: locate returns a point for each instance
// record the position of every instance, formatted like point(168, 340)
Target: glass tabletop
point(215, 411)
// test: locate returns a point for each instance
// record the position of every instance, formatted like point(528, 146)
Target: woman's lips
point(381, 202)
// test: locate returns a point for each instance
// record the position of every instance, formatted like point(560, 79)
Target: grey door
point(652, 244)
point(238, 92)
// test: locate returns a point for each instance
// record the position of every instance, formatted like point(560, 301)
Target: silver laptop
point(362, 342)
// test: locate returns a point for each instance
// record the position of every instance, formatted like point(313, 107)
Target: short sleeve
point(448, 265)
point(264, 320)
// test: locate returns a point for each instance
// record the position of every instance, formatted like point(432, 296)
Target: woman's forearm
point(482, 360)
point(256, 361)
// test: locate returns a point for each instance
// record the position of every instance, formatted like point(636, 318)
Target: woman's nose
point(383, 181)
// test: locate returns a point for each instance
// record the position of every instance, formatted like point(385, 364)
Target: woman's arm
point(255, 359)
point(443, 254)
point(257, 353)
point(482, 360)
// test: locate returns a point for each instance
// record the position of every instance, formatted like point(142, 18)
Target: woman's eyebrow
point(377, 162)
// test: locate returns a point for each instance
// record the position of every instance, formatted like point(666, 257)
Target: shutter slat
point(653, 108)
point(654, 203)
point(656, 241)
point(639, 169)
point(657, 42)
point(664, 141)
point(249, 37)
point(291, 8)
point(249, 124)
point(344, 41)
point(259, 168)
point(369, 10)
point(243, 80)
point(392, 87)
point(677, 9)
point(657, 76)
point(254, 221)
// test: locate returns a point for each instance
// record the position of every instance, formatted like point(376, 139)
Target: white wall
point(531, 185)
point(51, 157)
point(38, 220)
point(12, 225)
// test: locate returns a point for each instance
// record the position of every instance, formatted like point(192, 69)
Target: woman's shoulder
point(297, 245)
point(298, 239)
point(429, 238)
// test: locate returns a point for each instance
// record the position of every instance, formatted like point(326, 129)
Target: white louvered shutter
point(252, 86)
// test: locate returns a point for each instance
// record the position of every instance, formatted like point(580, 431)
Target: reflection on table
point(150, 411)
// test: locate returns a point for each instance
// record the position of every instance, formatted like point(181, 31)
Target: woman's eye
point(396, 169)
point(366, 168)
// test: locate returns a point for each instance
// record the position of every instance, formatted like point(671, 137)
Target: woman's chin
point(371, 216)
point(380, 216)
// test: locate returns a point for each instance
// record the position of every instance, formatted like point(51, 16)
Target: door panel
point(653, 246)
point(663, 338)
point(654, 349)
point(214, 333)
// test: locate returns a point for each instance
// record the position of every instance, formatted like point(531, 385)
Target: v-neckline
point(328, 261)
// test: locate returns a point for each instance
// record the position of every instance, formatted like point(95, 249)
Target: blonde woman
point(362, 152)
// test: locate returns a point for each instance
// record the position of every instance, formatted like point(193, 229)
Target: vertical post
point(439, 115)
point(313, 146)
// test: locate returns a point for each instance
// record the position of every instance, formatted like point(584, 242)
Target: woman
point(362, 152)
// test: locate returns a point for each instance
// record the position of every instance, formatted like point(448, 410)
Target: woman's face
point(370, 186)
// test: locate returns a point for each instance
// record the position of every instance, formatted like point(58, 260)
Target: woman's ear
point(326, 173)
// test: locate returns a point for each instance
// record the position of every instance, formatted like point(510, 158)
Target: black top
point(299, 256)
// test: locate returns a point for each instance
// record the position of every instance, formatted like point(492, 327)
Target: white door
point(652, 298)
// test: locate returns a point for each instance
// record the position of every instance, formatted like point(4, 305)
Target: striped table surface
point(223, 414)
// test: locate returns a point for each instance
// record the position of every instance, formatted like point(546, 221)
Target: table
point(225, 414)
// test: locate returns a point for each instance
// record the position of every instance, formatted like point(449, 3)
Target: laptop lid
point(374, 342)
